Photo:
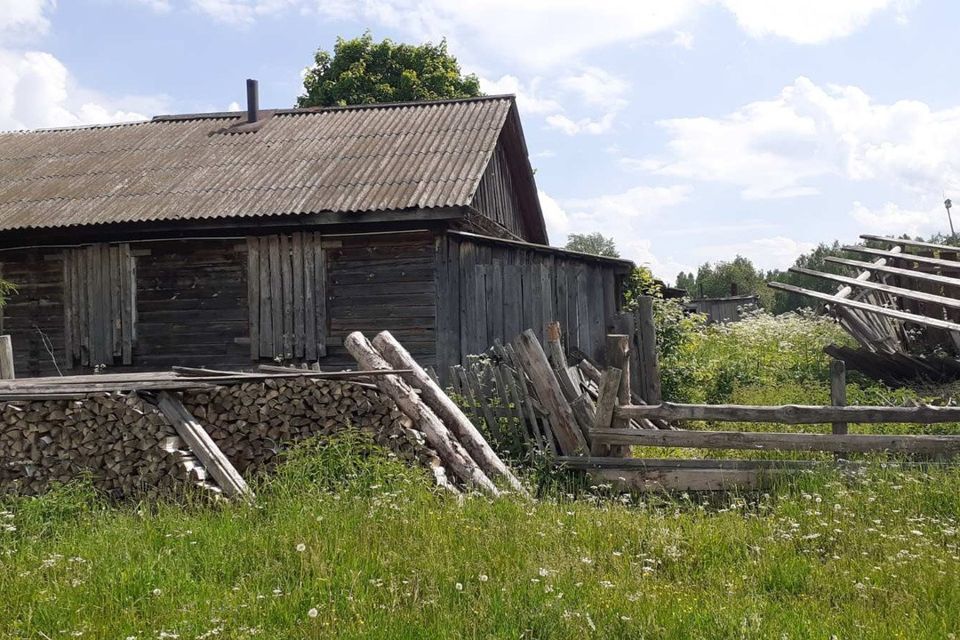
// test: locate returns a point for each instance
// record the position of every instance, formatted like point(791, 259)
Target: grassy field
point(346, 543)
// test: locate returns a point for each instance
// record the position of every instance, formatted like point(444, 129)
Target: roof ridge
point(349, 107)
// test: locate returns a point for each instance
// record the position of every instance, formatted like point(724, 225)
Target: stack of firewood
point(123, 444)
point(252, 422)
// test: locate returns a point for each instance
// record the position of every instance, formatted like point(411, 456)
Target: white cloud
point(780, 147)
point(543, 34)
point(891, 219)
point(596, 87)
point(158, 6)
point(776, 252)
point(582, 125)
point(682, 39)
point(637, 203)
point(810, 21)
point(243, 12)
point(24, 19)
point(529, 100)
point(39, 93)
point(623, 217)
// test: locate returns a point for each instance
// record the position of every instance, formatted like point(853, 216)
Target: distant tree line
point(739, 276)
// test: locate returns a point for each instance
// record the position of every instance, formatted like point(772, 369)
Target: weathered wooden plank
point(68, 323)
point(649, 363)
point(320, 299)
point(276, 296)
point(762, 441)
point(863, 306)
point(266, 301)
point(793, 414)
point(913, 243)
point(534, 361)
point(286, 279)
point(116, 309)
point(897, 271)
point(495, 304)
point(945, 301)
point(296, 274)
point(128, 303)
point(903, 257)
point(253, 295)
point(203, 446)
point(584, 336)
point(309, 298)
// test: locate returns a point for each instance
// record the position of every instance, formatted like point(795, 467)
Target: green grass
point(386, 556)
point(374, 551)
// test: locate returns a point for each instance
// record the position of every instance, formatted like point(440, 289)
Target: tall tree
point(361, 71)
point(593, 243)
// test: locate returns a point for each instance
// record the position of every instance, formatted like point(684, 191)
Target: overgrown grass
point(347, 543)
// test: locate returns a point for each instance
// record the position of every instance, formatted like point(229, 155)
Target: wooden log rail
point(792, 413)
point(762, 441)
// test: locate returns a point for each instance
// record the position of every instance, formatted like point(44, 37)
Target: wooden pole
point(436, 433)
point(617, 352)
point(445, 408)
point(6, 358)
point(648, 351)
point(838, 391)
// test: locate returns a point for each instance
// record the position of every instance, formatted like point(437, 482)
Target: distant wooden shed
point(727, 309)
point(224, 241)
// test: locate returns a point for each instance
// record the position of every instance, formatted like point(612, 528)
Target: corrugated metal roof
point(376, 158)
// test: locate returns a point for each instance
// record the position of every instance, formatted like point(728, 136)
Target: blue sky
point(689, 130)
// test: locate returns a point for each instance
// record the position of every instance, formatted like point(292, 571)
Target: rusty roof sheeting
point(376, 158)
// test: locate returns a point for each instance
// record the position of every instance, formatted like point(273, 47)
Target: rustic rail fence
point(592, 417)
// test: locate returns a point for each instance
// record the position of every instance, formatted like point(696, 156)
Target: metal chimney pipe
point(253, 100)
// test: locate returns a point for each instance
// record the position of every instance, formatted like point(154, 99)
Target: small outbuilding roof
point(204, 166)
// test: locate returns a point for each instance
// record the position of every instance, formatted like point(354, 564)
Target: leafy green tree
point(815, 260)
point(687, 282)
point(593, 243)
point(361, 71)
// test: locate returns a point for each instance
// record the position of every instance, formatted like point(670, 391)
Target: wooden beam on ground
point(897, 271)
point(203, 446)
point(763, 441)
point(794, 413)
point(909, 257)
point(910, 243)
point(952, 303)
point(451, 452)
point(447, 410)
point(864, 306)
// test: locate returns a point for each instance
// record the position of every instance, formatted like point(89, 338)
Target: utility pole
point(948, 204)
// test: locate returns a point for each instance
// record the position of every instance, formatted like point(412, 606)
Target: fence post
point(6, 358)
point(650, 368)
point(838, 391)
point(618, 357)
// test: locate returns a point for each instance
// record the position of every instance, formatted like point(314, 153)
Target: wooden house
point(229, 239)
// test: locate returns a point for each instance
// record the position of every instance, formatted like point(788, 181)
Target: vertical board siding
point(286, 296)
point(98, 305)
point(496, 196)
point(504, 289)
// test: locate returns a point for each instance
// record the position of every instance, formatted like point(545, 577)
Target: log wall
point(192, 301)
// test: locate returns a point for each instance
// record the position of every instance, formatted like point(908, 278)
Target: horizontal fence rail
point(762, 441)
point(791, 413)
